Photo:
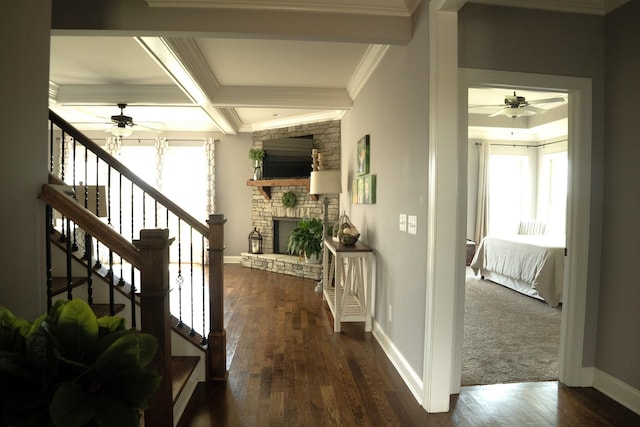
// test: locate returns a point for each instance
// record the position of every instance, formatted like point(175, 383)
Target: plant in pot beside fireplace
point(306, 240)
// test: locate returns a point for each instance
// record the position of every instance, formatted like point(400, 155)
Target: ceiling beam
point(184, 63)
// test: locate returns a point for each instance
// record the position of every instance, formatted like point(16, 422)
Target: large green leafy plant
point(69, 368)
point(306, 238)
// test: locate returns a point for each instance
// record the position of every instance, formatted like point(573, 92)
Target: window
point(509, 192)
point(552, 194)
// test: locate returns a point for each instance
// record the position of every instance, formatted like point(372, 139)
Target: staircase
point(92, 254)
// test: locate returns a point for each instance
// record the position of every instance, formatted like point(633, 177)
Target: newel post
point(217, 350)
point(154, 318)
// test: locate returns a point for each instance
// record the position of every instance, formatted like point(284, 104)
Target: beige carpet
point(508, 337)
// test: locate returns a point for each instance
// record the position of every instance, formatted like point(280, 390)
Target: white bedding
point(532, 264)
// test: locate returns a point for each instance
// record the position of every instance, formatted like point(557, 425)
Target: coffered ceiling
point(298, 71)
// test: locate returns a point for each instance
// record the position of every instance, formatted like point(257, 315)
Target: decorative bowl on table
point(348, 239)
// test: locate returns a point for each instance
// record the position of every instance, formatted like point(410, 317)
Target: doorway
point(576, 262)
point(519, 137)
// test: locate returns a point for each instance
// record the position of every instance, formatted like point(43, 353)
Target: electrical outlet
point(390, 313)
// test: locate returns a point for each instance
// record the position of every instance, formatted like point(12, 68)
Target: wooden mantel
point(264, 185)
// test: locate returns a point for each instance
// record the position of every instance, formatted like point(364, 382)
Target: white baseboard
point(619, 391)
point(411, 379)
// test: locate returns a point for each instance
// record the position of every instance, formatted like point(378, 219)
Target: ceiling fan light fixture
point(121, 130)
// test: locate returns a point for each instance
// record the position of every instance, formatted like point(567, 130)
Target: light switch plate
point(413, 224)
point(403, 222)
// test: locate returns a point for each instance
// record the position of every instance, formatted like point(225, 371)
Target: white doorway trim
point(571, 372)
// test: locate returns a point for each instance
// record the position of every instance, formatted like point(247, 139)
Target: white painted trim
point(389, 8)
point(591, 7)
point(443, 210)
point(617, 390)
point(368, 63)
point(578, 207)
point(408, 375)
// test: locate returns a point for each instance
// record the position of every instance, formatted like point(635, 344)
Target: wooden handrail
point(55, 196)
point(127, 173)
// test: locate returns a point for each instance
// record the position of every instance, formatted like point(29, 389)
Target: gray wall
point(24, 76)
point(393, 109)
point(618, 350)
point(548, 43)
point(233, 197)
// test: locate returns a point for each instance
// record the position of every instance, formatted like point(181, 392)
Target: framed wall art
point(363, 149)
point(363, 190)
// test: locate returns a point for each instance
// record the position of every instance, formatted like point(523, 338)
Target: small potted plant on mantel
point(256, 154)
point(306, 240)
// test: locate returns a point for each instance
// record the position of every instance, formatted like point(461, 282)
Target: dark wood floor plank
point(288, 368)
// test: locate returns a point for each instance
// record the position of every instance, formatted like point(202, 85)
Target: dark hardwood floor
point(288, 368)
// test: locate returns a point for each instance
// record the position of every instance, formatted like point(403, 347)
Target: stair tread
point(182, 367)
point(101, 310)
point(59, 284)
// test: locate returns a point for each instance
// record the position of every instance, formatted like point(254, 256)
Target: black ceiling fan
point(120, 120)
point(515, 106)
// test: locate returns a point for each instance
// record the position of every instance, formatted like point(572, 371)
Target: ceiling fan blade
point(547, 100)
point(535, 110)
point(502, 111)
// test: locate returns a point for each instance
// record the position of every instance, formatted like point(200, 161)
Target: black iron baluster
point(192, 332)
point(63, 237)
point(110, 272)
point(88, 242)
point(203, 341)
point(74, 245)
point(144, 209)
point(133, 286)
point(112, 302)
point(97, 263)
point(121, 281)
point(133, 298)
point(156, 213)
point(62, 165)
point(69, 276)
point(51, 148)
point(48, 216)
point(179, 279)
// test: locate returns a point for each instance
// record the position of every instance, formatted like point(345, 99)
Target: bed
point(530, 264)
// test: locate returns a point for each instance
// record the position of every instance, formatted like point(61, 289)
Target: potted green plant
point(69, 368)
point(256, 154)
point(306, 239)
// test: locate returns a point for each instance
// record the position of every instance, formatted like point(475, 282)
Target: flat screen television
point(287, 158)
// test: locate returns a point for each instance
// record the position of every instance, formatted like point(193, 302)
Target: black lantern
point(255, 242)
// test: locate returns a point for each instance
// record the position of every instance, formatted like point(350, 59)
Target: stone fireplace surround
point(326, 137)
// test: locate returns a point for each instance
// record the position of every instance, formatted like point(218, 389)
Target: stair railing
point(149, 255)
point(126, 204)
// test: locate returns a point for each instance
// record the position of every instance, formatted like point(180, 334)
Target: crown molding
point(282, 97)
point(590, 7)
point(362, 7)
point(113, 94)
point(370, 60)
point(324, 116)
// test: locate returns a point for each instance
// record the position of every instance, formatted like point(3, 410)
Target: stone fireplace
point(267, 211)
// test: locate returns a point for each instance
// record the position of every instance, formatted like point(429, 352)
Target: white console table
point(353, 268)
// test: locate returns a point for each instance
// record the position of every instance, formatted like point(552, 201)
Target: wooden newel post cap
point(216, 219)
point(154, 238)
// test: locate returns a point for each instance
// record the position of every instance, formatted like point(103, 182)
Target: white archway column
point(442, 222)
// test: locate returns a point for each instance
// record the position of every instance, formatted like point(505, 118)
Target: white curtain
point(162, 146)
point(112, 145)
point(482, 211)
point(210, 151)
